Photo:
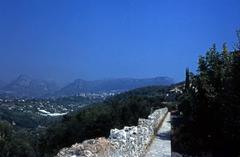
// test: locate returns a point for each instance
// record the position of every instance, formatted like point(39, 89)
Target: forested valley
point(207, 106)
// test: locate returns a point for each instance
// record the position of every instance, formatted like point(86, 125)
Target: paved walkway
point(161, 145)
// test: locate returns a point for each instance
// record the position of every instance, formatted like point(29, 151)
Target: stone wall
point(127, 142)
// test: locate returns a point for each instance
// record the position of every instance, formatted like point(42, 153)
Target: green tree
point(237, 44)
point(187, 80)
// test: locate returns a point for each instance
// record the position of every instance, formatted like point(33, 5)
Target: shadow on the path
point(164, 135)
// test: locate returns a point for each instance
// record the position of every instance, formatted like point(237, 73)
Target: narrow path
point(161, 145)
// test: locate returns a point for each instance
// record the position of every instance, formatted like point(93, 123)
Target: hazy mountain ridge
point(115, 85)
point(25, 86)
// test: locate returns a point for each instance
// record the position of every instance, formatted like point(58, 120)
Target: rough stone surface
point(127, 142)
point(161, 145)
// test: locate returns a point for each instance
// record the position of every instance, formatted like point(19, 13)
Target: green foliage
point(96, 121)
point(5, 133)
point(12, 143)
point(187, 80)
point(18, 148)
point(237, 44)
point(211, 106)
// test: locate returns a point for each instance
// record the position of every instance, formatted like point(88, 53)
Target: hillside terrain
point(205, 109)
point(110, 85)
point(37, 113)
point(27, 87)
point(89, 122)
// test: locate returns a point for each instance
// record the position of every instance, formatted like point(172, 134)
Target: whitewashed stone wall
point(127, 142)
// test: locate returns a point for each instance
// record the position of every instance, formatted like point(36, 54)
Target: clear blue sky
point(68, 39)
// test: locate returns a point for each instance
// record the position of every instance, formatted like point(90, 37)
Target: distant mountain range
point(24, 86)
point(83, 86)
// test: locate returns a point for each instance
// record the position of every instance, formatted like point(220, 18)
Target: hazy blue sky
point(68, 39)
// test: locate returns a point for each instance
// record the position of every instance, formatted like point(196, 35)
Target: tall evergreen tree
point(187, 80)
point(237, 44)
